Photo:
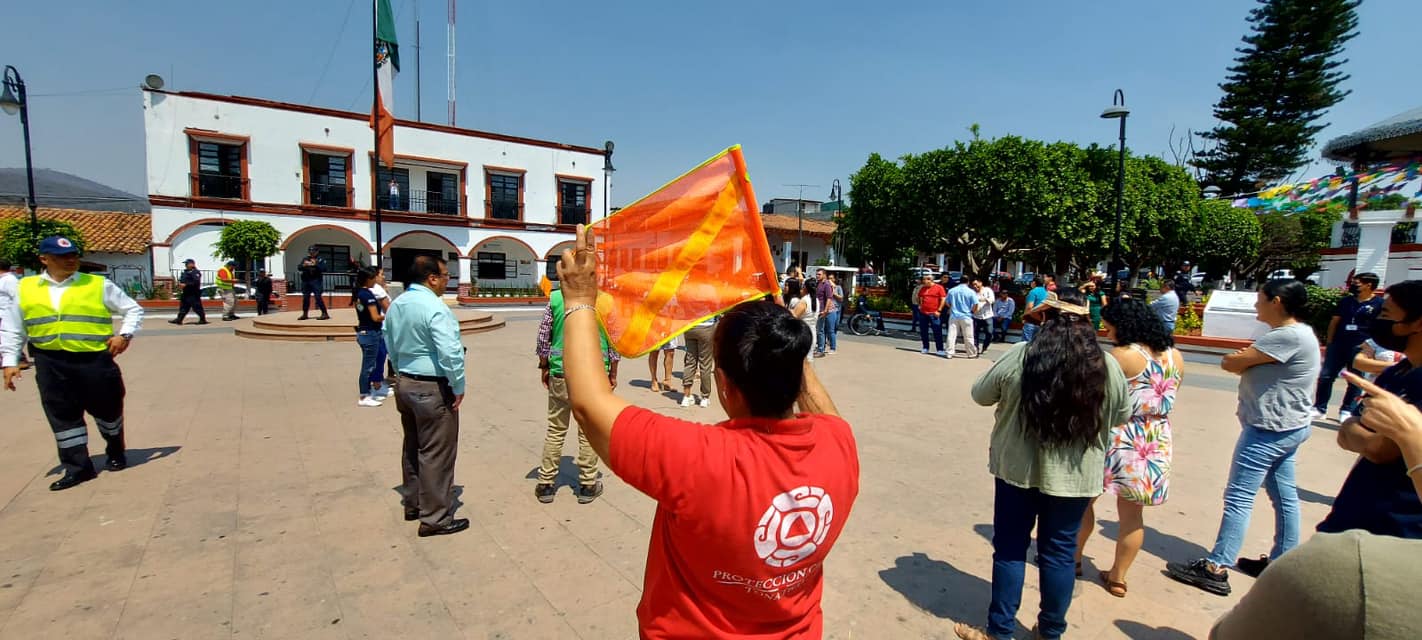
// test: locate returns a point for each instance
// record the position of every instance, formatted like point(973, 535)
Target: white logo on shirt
point(794, 526)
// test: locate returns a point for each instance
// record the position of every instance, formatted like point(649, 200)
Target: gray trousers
point(697, 369)
point(431, 442)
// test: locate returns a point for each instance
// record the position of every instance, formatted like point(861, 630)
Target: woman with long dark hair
point(1138, 460)
point(1057, 398)
point(1276, 378)
point(370, 318)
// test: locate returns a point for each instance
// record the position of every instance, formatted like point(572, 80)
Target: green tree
point(19, 242)
point(1284, 79)
point(1226, 239)
point(874, 226)
point(245, 241)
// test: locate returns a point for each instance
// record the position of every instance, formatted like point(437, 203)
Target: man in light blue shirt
point(422, 336)
point(1167, 306)
point(962, 302)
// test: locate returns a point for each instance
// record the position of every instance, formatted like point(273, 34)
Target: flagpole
point(375, 109)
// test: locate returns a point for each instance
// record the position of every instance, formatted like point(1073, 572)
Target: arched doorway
point(404, 248)
point(339, 247)
point(550, 261)
point(504, 262)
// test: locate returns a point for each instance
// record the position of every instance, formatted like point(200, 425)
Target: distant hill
point(67, 191)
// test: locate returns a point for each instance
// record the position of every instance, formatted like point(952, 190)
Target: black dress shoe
point(411, 515)
point(324, 317)
point(73, 478)
point(175, 322)
point(117, 462)
point(200, 322)
point(455, 526)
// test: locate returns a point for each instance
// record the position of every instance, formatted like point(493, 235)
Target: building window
point(495, 266)
point(219, 170)
point(441, 194)
point(328, 179)
point(573, 201)
point(396, 197)
point(505, 196)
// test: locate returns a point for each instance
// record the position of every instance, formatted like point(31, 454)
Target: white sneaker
point(1344, 416)
point(380, 394)
point(923, 351)
point(688, 400)
point(367, 401)
point(945, 354)
point(1315, 414)
point(705, 402)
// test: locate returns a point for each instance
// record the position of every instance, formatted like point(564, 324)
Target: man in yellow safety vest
point(66, 317)
point(227, 288)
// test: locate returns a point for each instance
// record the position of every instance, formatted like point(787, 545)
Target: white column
point(1374, 241)
point(789, 252)
point(162, 261)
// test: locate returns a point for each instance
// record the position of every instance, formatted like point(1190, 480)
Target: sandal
point(657, 387)
point(1117, 589)
point(667, 384)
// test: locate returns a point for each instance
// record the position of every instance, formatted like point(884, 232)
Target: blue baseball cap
point(57, 246)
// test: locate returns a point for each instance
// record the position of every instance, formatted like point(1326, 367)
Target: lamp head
point(1211, 192)
point(8, 101)
point(1115, 111)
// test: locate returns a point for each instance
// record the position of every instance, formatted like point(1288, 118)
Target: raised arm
point(595, 406)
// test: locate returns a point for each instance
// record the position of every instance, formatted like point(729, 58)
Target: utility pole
point(800, 219)
point(417, 61)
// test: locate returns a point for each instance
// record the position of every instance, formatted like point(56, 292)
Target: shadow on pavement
point(1138, 631)
point(1314, 497)
point(567, 472)
point(1160, 545)
point(939, 588)
point(135, 457)
point(985, 530)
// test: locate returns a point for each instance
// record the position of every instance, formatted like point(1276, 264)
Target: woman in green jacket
point(1057, 398)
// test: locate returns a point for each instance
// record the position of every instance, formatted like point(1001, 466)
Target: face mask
point(1380, 331)
point(1353, 289)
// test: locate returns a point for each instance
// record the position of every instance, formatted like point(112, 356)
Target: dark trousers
point(431, 441)
point(1335, 359)
point(999, 328)
point(917, 316)
point(191, 302)
point(310, 288)
point(925, 321)
point(72, 384)
point(1015, 512)
point(982, 333)
point(264, 304)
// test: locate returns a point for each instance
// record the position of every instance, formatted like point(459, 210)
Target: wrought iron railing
point(328, 195)
point(421, 201)
point(217, 185)
point(503, 209)
point(570, 214)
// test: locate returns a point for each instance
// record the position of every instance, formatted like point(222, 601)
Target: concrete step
point(341, 326)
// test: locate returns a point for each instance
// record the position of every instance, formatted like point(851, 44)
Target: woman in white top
point(800, 307)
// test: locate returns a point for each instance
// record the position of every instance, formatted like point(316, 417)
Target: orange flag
point(686, 253)
point(546, 286)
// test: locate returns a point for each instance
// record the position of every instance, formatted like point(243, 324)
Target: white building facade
point(495, 206)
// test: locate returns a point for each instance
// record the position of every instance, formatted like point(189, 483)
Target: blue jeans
point(1266, 458)
point(1014, 512)
point(999, 328)
point(381, 353)
point(1029, 331)
point(369, 341)
point(917, 316)
point(936, 321)
point(1335, 359)
point(828, 331)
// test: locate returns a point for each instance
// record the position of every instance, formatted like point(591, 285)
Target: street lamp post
point(607, 170)
point(13, 101)
point(1118, 110)
point(837, 195)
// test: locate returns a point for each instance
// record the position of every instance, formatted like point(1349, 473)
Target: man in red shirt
point(747, 510)
point(932, 297)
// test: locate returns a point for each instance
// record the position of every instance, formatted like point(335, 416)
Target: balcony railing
point(572, 214)
point(1402, 233)
point(503, 209)
point(217, 185)
point(421, 201)
point(1351, 231)
point(327, 195)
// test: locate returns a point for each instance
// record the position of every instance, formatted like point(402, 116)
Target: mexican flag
point(387, 63)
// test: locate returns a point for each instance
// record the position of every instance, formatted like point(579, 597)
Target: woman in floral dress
point(1138, 460)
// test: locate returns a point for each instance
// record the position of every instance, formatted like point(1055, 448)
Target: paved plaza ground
point(260, 504)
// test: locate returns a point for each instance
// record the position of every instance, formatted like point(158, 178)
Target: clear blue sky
point(809, 88)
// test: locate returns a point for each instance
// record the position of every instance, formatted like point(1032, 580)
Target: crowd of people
point(1072, 422)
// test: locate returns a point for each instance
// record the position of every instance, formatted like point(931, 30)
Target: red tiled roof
point(103, 231)
point(780, 222)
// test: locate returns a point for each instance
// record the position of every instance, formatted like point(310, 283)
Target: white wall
point(274, 153)
point(1400, 266)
